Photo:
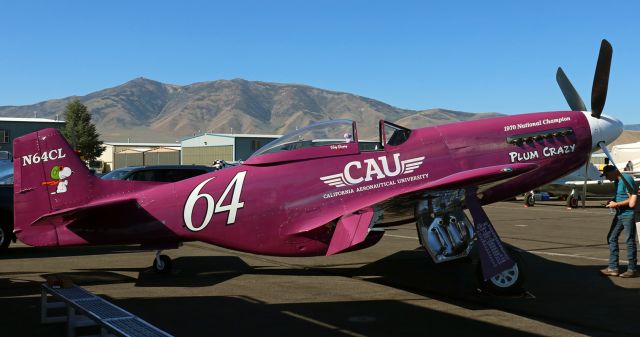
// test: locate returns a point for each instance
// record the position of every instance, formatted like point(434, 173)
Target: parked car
point(6, 204)
point(160, 173)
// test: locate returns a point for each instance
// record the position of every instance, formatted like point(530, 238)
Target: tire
point(164, 267)
point(5, 236)
point(573, 201)
point(530, 200)
point(509, 282)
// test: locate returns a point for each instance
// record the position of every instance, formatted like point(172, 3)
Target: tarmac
point(391, 289)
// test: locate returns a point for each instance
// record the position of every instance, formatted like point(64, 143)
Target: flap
point(351, 230)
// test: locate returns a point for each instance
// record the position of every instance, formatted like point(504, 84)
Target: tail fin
point(48, 176)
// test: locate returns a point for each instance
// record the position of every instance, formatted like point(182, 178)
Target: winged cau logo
point(356, 172)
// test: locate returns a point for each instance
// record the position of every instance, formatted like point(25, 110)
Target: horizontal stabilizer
point(78, 211)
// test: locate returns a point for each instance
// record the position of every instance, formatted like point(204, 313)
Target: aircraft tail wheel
point(162, 264)
point(530, 200)
point(509, 282)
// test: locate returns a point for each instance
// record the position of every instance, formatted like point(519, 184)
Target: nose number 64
point(211, 206)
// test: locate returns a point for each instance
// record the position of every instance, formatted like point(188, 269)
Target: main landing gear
point(574, 199)
point(447, 234)
point(162, 263)
point(529, 199)
point(507, 282)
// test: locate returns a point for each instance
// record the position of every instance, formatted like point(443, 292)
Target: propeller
point(598, 98)
point(598, 89)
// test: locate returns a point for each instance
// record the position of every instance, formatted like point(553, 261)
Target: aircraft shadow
point(47, 252)
point(570, 296)
point(562, 293)
point(188, 271)
point(244, 316)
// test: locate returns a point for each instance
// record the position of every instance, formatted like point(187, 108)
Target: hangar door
point(128, 158)
point(206, 155)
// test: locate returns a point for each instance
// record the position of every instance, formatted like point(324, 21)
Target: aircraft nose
point(604, 129)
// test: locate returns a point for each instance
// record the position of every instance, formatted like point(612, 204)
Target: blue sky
point(466, 55)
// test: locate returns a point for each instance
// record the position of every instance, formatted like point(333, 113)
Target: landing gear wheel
point(5, 237)
point(509, 282)
point(162, 264)
point(529, 200)
point(573, 201)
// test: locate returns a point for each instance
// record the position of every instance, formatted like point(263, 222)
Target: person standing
point(629, 167)
point(624, 203)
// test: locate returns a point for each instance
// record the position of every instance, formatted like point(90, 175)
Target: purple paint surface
point(289, 203)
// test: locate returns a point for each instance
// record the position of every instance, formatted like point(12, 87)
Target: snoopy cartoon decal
point(59, 174)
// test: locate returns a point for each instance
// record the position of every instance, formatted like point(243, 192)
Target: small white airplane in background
point(571, 187)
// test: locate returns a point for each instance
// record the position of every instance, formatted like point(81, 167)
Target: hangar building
point(206, 148)
point(117, 155)
point(12, 128)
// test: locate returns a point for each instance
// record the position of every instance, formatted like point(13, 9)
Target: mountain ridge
point(145, 109)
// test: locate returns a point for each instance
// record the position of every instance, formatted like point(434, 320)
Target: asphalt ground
point(391, 289)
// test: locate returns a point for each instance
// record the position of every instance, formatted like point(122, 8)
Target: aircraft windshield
point(339, 131)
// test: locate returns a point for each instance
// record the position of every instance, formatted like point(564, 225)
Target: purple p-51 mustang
point(322, 191)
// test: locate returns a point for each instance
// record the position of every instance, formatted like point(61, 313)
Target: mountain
point(147, 110)
point(632, 127)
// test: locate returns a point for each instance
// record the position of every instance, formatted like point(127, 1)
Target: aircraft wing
point(589, 182)
point(352, 228)
point(479, 177)
point(593, 182)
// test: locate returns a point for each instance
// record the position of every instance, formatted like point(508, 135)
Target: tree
point(80, 132)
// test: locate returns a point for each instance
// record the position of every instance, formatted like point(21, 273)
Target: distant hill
point(632, 127)
point(627, 136)
point(147, 110)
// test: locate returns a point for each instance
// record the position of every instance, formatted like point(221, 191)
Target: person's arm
point(631, 202)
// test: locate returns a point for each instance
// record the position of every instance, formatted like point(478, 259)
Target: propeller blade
point(601, 79)
point(570, 93)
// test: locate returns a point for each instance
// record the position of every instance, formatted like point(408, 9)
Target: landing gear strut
point(162, 263)
point(500, 268)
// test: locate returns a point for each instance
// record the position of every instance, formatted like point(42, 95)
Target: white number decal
point(191, 202)
point(235, 204)
point(212, 206)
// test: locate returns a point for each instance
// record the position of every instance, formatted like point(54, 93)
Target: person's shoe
point(629, 274)
point(609, 272)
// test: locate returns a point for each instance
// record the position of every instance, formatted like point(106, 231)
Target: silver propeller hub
point(604, 129)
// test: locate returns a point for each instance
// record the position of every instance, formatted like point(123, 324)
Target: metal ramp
point(84, 309)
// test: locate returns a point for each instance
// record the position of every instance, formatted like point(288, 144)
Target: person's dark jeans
point(627, 223)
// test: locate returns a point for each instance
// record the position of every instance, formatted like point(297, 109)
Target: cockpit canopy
point(338, 131)
point(325, 139)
